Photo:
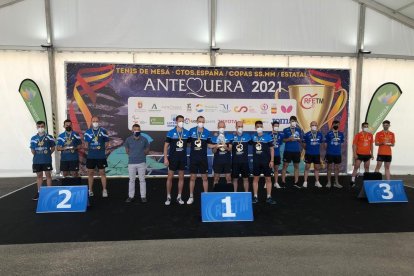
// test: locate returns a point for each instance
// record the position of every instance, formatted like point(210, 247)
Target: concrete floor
point(360, 254)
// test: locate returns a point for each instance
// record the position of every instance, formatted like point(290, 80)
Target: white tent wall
point(16, 120)
point(377, 72)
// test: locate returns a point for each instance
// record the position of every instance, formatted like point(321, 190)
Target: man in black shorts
point(68, 143)
point(222, 153)
point(240, 157)
point(200, 139)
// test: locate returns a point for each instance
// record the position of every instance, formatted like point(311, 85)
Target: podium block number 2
point(386, 189)
point(228, 213)
point(63, 204)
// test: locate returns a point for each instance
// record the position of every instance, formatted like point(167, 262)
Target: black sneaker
point(297, 185)
point(36, 196)
point(282, 184)
point(129, 200)
point(143, 199)
point(255, 200)
point(270, 201)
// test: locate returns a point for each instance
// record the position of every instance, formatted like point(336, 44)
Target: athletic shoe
point(129, 200)
point(296, 185)
point(36, 196)
point(352, 184)
point(180, 201)
point(270, 201)
point(264, 186)
point(255, 200)
point(305, 184)
point(277, 186)
point(317, 184)
point(105, 193)
point(328, 185)
point(337, 185)
point(168, 201)
point(90, 193)
point(190, 200)
point(144, 200)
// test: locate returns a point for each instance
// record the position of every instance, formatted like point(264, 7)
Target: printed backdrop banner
point(153, 95)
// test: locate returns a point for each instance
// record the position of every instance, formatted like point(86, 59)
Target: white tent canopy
point(38, 36)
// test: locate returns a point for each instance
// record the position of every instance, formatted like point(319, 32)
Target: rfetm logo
point(388, 98)
point(240, 108)
point(308, 101)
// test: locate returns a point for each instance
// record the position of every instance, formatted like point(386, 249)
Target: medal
point(72, 151)
point(98, 147)
point(41, 142)
point(45, 152)
point(258, 147)
point(275, 144)
point(239, 147)
point(197, 143)
point(95, 137)
point(180, 143)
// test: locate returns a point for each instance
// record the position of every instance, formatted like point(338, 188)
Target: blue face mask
point(137, 133)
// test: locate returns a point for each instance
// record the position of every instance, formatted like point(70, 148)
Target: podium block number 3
point(386, 189)
point(228, 213)
point(63, 204)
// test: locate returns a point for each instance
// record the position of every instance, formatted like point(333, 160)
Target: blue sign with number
point(382, 191)
point(62, 199)
point(220, 207)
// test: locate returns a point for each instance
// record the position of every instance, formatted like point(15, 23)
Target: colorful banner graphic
point(381, 103)
point(152, 95)
point(32, 97)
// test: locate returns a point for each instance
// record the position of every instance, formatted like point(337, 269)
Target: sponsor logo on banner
point(155, 108)
point(308, 101)
point(157, 121)
point(199, 108)
point(286, 109)
point(251, 121)
point(240, 108)
point(273, 109)
point(189, 108)
point(264, 107)
point(225, 108)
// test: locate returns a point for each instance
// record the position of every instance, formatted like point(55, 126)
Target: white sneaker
point(90, 193)
point(328, 185)
point(265, 186)
point(337, 185)
point(190, 200)
point(105, 193)
point(317, 184)
point(180, 201)
point(168, 201)
point(277, 186)
point(305, 184)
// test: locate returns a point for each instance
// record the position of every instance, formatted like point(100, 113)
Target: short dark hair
point(386, 122)
point(67, 121)
point(275, 123)
point(40, 123)
point(293, 118)
point(335, 122)
point(258, 123)
point(178, 117)
point(364, 123)
point(135, 125)
point(200, 117)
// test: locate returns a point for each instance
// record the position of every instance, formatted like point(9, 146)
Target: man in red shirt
point(384, 139)
point(362, 148)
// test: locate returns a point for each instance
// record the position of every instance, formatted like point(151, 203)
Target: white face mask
point(95, 124)
point(200, 125)
point(314, 128)
point(180, 124)
point(41, 130)
point(221, 130)
point(293, 124)
point(240, 130)
point(276, 128)
point(259, 130)
point(365, 129)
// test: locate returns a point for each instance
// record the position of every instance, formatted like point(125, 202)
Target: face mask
point(200, 125)
point(386, 128)
point(240, 130)
point(41, 130)
point(259, 130)
point(68, 129)
point(95, 124)
point(335, 127)
point(180, 124)
point(293, 124)
point(365, 129)
point(137, 133)
point(276, 128)
point(221, 130)
point(314, 128)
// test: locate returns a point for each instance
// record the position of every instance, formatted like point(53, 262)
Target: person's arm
point(126, 147)
point(272, 156)
point(372, 151)
point(354, 151)
point(147, 147)
point(166, 162)
point(52, 144)
point(377, 142)
point(392, 140)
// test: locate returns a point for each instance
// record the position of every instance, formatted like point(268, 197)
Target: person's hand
point(107, 151)
point(372, 157)
point(166, 162)
point(271, 164)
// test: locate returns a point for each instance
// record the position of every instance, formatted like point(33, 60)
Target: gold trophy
point(314, 103)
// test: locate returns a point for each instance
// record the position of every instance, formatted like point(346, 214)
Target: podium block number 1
point(228, 213)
